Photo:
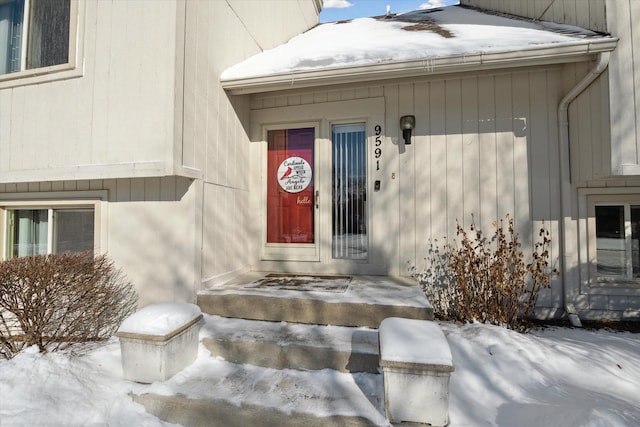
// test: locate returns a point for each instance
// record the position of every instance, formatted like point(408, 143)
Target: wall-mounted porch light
point(407, 123)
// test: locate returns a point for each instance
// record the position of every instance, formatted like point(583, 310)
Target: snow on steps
point(367, 301)
point(283, 345)
point(277, 365)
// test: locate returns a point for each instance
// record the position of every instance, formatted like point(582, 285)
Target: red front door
point(290, 186)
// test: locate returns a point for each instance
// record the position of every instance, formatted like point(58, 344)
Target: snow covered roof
point(448, 39)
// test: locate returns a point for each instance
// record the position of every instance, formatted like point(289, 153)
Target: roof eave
point(575, 52)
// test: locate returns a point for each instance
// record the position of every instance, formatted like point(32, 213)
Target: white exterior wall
point(621, 146)
point(604, 133)
point(485, 144)
point(215, 142)
point(477, 142)
point(116, 118)
point(145, 122)
point(147, 227)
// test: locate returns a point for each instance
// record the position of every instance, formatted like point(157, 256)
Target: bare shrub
point(486, 279)
point(53, 301)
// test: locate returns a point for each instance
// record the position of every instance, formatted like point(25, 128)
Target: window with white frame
point(39, 230)
point(33, 34)
point(615, 242)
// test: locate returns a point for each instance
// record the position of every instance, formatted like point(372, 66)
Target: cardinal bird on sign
point(287, 173)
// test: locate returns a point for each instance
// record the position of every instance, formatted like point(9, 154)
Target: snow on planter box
point(417, 364)
point(159, 341)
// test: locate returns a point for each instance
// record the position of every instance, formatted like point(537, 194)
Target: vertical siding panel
point(376, 91)
point(203, 76)
point(597, 15)
point(123, 190)
point(361, 92)
point(168, 188)
point(539, 146)
point(347, 94)
point(212, 140)
point(5, 128)
point(558, 11)
point(554, 92)
point(119, 78)
point(504, 146)
point(55, 186)
point(635, 46)
point(470, 150)
point(570, 12)
point(438, 159)
point(487, 145)
point(34, 144)
point(423, 168)
point(17, 117)
point(596, 135)
point(623, 133)
point(307, 98)
point(406, 180)
point(190, 81)
point(583, 138)
point(152, 188)
point(82, 185)
point(137, 189)
point(583, 14)
point(455, 187)
point(521, 119)
point(390, 187)
point(319, 97)
point(605, 137)
point(101, 90)
point(222, 142)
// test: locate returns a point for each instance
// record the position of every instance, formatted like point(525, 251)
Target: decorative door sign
point(294, 174)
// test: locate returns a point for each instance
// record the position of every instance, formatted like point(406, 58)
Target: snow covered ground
point(550, 377)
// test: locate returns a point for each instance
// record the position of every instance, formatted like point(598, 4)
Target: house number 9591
point(378, 150)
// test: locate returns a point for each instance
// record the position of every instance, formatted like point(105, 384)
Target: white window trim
point(588, 200)
point(73, 68)
point(82, 199)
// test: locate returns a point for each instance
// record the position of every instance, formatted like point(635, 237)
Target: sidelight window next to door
point(349, 187)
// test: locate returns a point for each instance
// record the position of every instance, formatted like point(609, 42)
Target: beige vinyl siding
point(118, 115)
point(148, 229)
point(484, 144)
point(622, 19)
point(614, 151)
point(582, 13)
point(214, 139)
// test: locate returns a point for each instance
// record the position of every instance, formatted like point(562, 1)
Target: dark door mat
point(301, 282)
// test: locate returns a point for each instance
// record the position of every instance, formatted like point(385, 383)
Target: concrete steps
point(282, 345)
point(366, 302)
point(213, 392)
point(222, 413)
point(283, 357)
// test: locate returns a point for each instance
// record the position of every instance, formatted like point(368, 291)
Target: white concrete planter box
point(417, 364)
point(159, 341)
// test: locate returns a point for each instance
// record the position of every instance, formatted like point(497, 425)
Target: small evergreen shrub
point(53, 301)
point(486, 279)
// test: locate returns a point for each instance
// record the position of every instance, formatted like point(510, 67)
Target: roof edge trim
point(574, 52)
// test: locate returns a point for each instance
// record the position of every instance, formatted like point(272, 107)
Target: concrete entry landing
point(366, 301)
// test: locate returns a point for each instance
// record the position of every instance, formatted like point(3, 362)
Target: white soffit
point(423, 42)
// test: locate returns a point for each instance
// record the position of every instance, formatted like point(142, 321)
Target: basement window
point(45, 230)
point(616, 228)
